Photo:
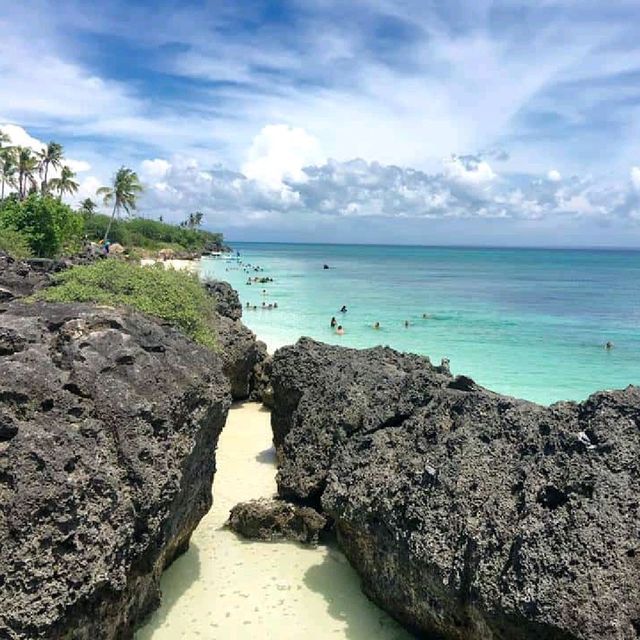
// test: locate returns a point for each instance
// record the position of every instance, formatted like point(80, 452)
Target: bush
point(14, 243)
point(174, 296)
point(49, 226)
point(151, 234)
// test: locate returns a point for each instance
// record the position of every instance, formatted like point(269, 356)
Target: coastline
point(225, 586)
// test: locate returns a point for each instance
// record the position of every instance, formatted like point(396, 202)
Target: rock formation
point(227, 299)
point(108, 428)
point(468, 514)
point(277, 520)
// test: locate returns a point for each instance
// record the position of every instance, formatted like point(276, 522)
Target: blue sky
point(409, 121)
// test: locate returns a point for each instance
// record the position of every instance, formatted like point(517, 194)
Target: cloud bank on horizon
point(501, 122)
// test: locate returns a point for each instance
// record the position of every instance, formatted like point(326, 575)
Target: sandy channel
point(225, 587)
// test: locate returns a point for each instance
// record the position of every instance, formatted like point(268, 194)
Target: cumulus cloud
point(554, 175)
point(278, 153)
point(465, 187)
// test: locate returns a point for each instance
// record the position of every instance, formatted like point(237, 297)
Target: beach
point(226, 587)
point(173, 263)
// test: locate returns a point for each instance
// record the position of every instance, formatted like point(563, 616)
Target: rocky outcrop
point(227, 299)
point(468, 514)
point(18, 279)
point(241, 354)
point(277, 520)
point(108, 428)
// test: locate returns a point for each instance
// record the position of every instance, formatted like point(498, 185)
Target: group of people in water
point(256, 279)
point(339, 329)
point(254, 307)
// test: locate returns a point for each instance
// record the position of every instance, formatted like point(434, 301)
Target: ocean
point(525, 322)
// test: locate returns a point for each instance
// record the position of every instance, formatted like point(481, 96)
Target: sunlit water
point(530, 323)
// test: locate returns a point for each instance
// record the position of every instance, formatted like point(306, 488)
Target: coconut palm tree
point(27, 165)
point(50, 156)
point(87, 207)
point(197, 218)
point(65, 183)
point(8, 169)
point(124, 194)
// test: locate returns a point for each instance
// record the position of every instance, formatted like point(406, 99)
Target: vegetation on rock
point(174, 296)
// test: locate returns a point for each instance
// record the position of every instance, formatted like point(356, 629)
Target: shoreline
point(224, 586)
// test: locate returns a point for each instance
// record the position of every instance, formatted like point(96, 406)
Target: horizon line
point(443, 246)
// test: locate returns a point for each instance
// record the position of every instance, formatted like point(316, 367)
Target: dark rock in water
point(241, 354)
point(277, 520)
point(468, 514)
point(108, 428)
point(228, 301)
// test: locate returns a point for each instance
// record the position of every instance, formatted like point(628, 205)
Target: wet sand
point(225, 587)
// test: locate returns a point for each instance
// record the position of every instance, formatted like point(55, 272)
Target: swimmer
point(344, 309)
point(340, 330)
point(376, 325)
point(425, 316)
point(264, 304)
point(275, 305)
point(406, 324)
point(609, 345)
point(334, 322)
point(247, 305)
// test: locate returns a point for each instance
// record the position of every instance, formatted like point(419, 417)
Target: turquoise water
point(526, 322)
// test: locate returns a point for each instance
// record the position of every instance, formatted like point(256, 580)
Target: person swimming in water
point(376, 325)
point(344, 309)
point(609, 345)
point(406, 324)
point(334, 322)
point(340, 330)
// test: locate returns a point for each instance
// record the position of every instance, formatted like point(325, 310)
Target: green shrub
point(174, 296)
point(151, 234)
point(50, 227)
point(14, 243)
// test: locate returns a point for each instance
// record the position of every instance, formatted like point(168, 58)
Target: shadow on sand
point(337, 582)
point(268, 456)
point(174, 582)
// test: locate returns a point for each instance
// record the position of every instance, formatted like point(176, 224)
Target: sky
point(504, 122)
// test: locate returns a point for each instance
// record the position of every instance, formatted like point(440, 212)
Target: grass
point(176, 297)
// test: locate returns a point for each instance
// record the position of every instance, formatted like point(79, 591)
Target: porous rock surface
point(469, 515)
point(271, 520)
point(241, 353)
point(227, 298)
point(108, 428)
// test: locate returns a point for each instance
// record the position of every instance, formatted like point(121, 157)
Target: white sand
point(174, 263)
point(225, 587)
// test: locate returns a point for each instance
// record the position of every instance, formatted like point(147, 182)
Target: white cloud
point(21, 138)
point(635, 177)
point(280, 152)
point(554, 175)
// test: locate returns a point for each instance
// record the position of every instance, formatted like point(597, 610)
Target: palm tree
point(197, 218)
point(87, 207)
point(27, 167)
point(65, 183)
point(51, 155)
point(8, 169)
point(124, 194)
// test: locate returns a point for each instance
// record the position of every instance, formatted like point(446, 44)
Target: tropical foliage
point(49, 226)
point(174, 296)
point(22, 167)
point(28, 181)
point(123, 194)
point(14, 243)
point(151, 234)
